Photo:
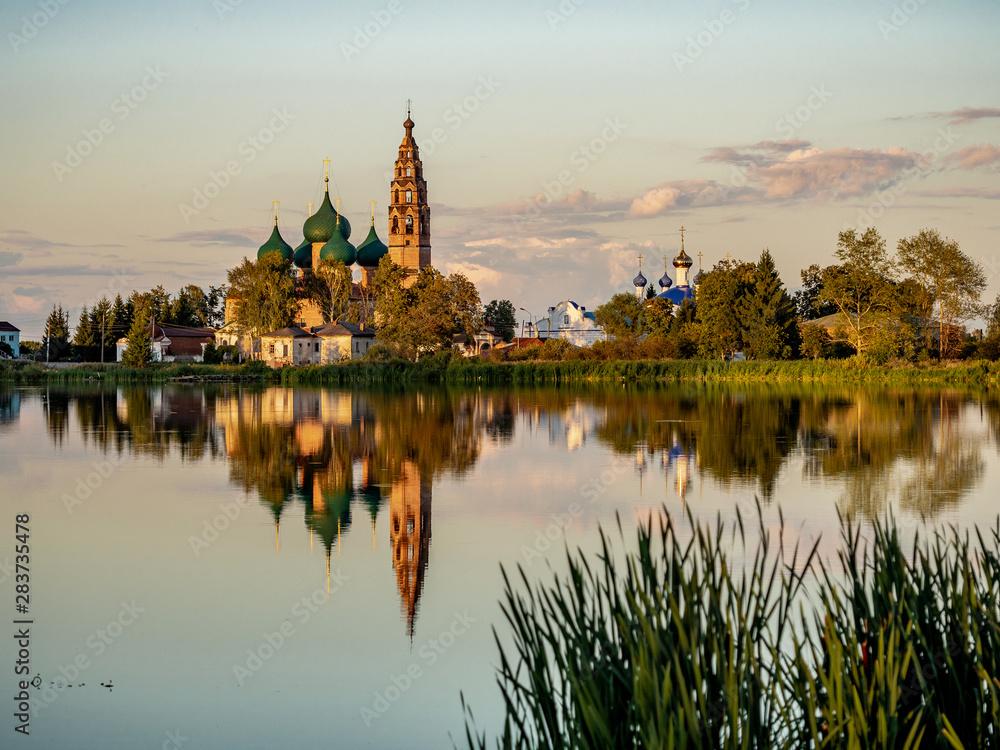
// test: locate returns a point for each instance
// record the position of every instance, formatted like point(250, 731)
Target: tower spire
point(326, 173)
point(276, 213)
point(373, 213)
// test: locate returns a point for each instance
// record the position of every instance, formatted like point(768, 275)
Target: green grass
point(113, 373)
point(696, 641)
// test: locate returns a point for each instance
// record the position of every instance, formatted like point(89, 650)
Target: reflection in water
point(10, 408)
point(344, 455)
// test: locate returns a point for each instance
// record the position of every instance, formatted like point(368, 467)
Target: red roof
point(5, 326)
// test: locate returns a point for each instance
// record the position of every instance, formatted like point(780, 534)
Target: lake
point(257, 567)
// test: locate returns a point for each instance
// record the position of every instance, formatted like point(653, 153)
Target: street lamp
point(532, 318)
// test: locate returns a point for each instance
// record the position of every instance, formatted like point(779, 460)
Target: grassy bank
point(447, 368)
point(25, 373)
point(461, 371)
point(700, 641)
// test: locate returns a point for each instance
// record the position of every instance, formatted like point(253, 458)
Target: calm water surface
point(263, 567)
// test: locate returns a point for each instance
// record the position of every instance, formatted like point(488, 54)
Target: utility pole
point(102, 336)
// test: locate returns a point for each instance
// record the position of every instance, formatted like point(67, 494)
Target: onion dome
point(275, 244)
point(640, 280)
point(683, 260)
point(372, 249)
point(697, 277)
point(303, 255)
point(665, 281)
point(338, 248)
point(319, 227)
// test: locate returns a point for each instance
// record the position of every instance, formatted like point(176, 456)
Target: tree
point(862, 288)
point(658, 318)
point(55, 341)
point(84, 339)
point(719, 308)
point(815, 342)
point(770, 327)
point(949, 280)
point(621, 316)
point(6, 349)
point(215, 303)
point(101, 323)
point(650, 291)
point(188, 308)
point(264, 291)
point(121, 318)
point(428, 315)
point(503, 317)
point(329, 286)
point(139, 347)
point(807, 302)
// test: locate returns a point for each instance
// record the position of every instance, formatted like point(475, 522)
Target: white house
point(342, 341)
point(572, 322)
point(11, 335)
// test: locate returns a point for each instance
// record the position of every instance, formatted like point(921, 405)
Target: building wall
point(567, 320)
point(14, 339)
point(337, 348)
point(279, 352)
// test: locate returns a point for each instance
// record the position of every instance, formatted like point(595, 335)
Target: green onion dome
point(303, 255)
point(338, 248)
point(319, 227)
point(371, 251)
point(275, 244)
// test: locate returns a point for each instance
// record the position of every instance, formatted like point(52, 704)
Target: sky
point(145, 142)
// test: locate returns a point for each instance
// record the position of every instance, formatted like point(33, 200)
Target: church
point(326, 234)
point(676, 294)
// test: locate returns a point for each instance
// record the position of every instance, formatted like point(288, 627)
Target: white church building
point(572, 322)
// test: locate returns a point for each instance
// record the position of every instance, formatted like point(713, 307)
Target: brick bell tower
point(409, 214)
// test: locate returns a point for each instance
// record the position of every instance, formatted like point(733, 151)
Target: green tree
point(139, 348)
point(621, 317)
point(84, 340)
point(807, 302)
point(815, 342)
point(121, 318)
point(650, 291)
point(55, 341)
point(862, 289)
point(719, 308)
point(658, 318)
point(101, 323)
point(503, 317)
point(6, 349)
point(264, 291)
point(329, 286)
point(215, 304)
point(426, 316)
point(770, 327)
point(950, 282)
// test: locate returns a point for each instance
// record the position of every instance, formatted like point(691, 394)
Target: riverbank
point(445, 368)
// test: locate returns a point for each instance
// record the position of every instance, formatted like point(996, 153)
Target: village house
point(174, 343)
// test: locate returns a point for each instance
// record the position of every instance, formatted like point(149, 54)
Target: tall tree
point(122, 318)
point(139, 348)
point(658, 318)
point(503, 317)
point(862, 289)
point(84, 339)
point(101, 322)
point(55, 342)
point(950, 282)
point(719, 308)
point(807, 302)
point(770, 326)
point(215, 302)
point(264, 291)
point(621, 316)
point(329, 286)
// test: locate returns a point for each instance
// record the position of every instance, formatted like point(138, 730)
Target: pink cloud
point(965, 115)
point(975, 156)
point(684, 193)
point(840, 172)
point(961, 192)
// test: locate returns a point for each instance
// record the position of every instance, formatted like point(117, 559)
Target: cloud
point(975, 156)
point(53, 271)
point(684, 194)
point(763, 152)
point(961, 192)
point(9, 258)
point(965, 115)
point(840, 172)
point(237, 237)
point(20, 238)
point(28, 291)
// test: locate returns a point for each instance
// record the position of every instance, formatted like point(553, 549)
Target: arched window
point(409, 225)
point(409, 154)
point(395, 226)
point(409, 172)
point(409, 196)
point(395, 198)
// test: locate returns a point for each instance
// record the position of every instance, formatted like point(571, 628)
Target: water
point(256, 567)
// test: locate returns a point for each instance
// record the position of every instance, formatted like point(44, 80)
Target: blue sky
point(571, 136)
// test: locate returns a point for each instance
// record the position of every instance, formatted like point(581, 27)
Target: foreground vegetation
point(447, 367)
point(697, 640)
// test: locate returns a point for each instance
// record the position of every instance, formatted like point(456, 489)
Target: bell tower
point(409, 214)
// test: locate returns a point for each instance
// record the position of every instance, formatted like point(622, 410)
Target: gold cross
point(326, 169)
point(276, 213)
point(727, 259)
point(699, 259)
point(309, 209)
point(682, 236)
point(373, 212)
point(408, 102)
point(640, 261)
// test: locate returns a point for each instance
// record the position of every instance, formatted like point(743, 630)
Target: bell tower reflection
point(410, 532)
